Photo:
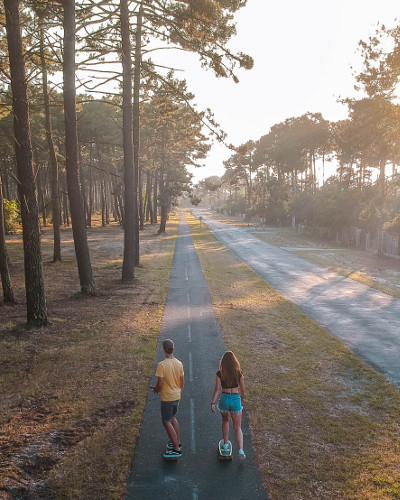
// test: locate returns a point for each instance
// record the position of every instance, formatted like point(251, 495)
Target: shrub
point(11, 215)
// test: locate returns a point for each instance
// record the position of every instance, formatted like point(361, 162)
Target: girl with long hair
point(230, 380)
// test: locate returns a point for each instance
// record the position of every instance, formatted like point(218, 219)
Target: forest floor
point(72, 394)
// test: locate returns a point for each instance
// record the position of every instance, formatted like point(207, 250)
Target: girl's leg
point(237, 426)
point(225, 426)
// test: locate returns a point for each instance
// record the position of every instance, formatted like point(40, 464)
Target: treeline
point(281, 178)
point(71, 147)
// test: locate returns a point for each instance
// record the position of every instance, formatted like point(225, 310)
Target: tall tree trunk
point(141, 204)
point(103, 200)
point(34, 285)
point(8, 294)
point(148, 193)
point(55, 196)
point(42, 204)
point(130, 207)
point(136, 129)
point(155, 197)
point(164, 202)
point(71, 153)
point(65, 204)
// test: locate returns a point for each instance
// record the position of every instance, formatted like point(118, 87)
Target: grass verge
point(324, 424)
point(370, 266)
point(356, 275)
point(73, 393)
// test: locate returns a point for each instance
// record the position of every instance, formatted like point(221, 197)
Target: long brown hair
point(229, 367)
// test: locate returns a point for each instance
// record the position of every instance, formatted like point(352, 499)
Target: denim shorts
point(230, 402)
point(168, 410)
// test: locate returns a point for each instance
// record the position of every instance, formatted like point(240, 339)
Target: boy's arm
point(182, 381)
point(158, 387)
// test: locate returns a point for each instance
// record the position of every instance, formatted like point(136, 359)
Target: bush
point(11, 215)
point(393, 225)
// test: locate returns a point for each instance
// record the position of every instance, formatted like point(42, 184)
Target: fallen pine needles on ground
point(72, 394)
point(325, 425)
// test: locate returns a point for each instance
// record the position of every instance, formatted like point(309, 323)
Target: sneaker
point(226, 447)
point(242, 456)
point(170, 446)
point(172, 454)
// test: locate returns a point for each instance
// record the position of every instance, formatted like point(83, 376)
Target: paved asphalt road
point(189, 320)
point(366, 320)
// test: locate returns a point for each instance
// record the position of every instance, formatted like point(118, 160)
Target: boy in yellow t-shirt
point(170, 383)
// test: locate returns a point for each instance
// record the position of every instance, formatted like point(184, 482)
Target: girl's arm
point(217, 388)
point(241, 387)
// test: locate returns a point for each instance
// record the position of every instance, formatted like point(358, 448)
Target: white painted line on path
point(188, 312)
point(190, 367)
point(188, 298)
point(195, 493)
point(192, 426)
point(189, 334)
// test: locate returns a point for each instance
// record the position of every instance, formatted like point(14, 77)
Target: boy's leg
point(172, 434)
point(168, 412)
point(175, 425)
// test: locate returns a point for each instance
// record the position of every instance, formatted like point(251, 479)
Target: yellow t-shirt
point(171, 369)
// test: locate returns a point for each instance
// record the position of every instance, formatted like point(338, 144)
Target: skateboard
point(224, 454)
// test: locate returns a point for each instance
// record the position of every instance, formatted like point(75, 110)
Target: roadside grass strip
point(325, 425)
point(73, 394)
point(286, 236)
point(356, 275)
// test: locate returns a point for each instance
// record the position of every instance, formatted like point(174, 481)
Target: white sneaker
point(242, 456)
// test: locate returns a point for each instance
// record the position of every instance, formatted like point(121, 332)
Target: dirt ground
point(72, 393)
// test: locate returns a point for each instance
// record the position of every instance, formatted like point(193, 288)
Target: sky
point(303, 54)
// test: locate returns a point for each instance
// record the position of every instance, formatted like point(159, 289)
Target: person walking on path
point(230, 379)
point(170, 382)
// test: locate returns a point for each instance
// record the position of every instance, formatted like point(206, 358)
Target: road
point(189, 320)
point(366, 320)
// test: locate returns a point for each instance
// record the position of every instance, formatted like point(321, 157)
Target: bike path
point(190, 321)
point(365, 319)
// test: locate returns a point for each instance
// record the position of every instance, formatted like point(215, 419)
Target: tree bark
point(164, 202)
point(71, 153)
point(8, 294)
point(136, 130)
point(55, 196)
point(155, 198)
point(130, 207)
point(148, 193)
point(34, 285)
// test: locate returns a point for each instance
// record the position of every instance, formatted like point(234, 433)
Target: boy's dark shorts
point(168, 410)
